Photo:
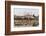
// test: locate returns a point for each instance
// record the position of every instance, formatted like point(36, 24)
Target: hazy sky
point(22, 11)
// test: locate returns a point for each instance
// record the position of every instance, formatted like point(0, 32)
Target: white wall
point(2, 18)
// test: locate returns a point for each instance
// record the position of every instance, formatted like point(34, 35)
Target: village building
point(24, 20)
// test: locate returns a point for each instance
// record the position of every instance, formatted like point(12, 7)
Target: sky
point(22, 11)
